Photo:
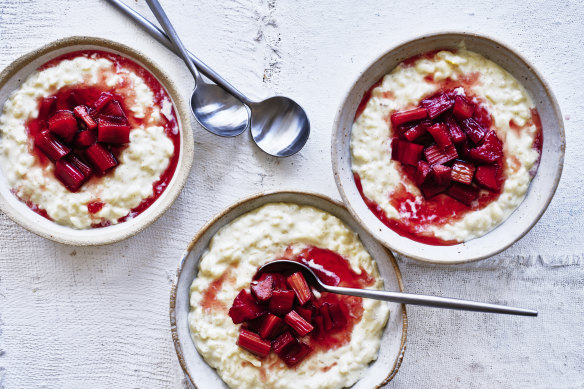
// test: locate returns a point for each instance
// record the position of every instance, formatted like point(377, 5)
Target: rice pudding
point(89, 139)
point(245, 334)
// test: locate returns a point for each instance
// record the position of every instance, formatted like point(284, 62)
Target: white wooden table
point(98, 317)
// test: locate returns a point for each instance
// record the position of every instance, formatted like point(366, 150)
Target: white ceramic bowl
point(13, 76)
point(201, 375)
point(543, 185)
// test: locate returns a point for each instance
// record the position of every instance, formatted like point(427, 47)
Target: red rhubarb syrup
point(70, 96)
point(417, 216)
point(210, 301)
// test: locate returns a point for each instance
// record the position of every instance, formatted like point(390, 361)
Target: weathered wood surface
point(98, 317)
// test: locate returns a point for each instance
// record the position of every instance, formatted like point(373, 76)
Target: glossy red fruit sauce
point(69, 96)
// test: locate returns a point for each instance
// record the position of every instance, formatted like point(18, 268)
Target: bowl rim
point(232, 207)
point(160, 206)
point(337, 132)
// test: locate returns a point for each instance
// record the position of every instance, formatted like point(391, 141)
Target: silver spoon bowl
point(279, 126)
point(283, 265)
point(217, 110)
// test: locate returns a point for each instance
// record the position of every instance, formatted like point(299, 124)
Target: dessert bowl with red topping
point(234, 328)
point(95, 142)
point(448, 148)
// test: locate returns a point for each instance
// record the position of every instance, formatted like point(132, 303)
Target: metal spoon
point(279, 126)
point(396, 297)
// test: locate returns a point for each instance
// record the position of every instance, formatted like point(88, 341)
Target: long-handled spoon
point(396, 297)
point(279, 126)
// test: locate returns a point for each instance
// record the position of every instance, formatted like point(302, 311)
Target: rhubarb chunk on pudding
point(89, 139)
point(445, 146)
point(273, 330)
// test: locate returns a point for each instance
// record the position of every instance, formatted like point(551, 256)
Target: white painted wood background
point(98, 317)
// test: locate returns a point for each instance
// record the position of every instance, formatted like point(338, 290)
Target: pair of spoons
point(278, 125)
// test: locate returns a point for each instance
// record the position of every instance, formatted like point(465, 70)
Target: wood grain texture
point(98, 317)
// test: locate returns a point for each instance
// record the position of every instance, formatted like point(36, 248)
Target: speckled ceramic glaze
point(11, 79)
point(201, 375)
point(542, 187)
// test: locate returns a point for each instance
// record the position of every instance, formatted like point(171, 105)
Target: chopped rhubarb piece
point(262, 288)
point(49, 145)
point(462, 172)
point(117, 150)
point(64, 125)
point(82, 113)
point(279, 281)
point(100, 158)
point(489, 176)
point(474, 130)
point(401, 130)
point(338, 317)
point(84, 168)
point(283, 343)
point(464, 193)
point(306, 313)
point(253, 343)
point(85, 138)
point(281, 302)
point(245, 308)
point(435, 155)
point(401, 117)
point(319, 331)
point(422, 172)
point(416, 131)
point(440, 134)
point(298, 324)
point(490, 151)
point(437, 105)
point(296, 354)
point(69, 175)
point(47, 107)
point(431, 189)
point(441, 174)
point(406, 152)
point(271, 326)
point(482, 116)
point(116, 132)
point(456, 134)
point(104, 99)
point(463, 109)
point(298, 284)
point(326, 317)
point(114, 109)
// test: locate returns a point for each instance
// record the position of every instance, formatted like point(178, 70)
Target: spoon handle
point(431, 301)
point(167, 26)
point(163, 39)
